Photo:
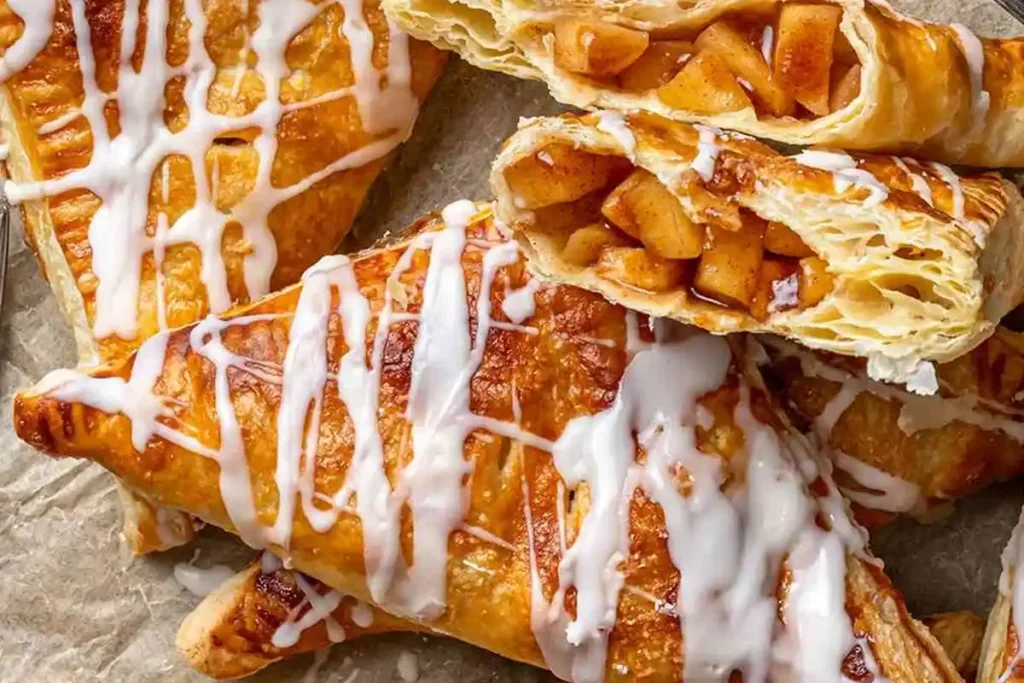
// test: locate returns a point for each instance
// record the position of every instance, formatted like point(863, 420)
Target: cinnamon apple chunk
point(705, 85)
point(595, 48)
point(729, 267)
point(815, 281)
point(657, 65)
point(804, 53)
point(645, 209)
point(845, 86)
point(584, 246)
point(745, 61)
point(780, 239)
point(558, 173)
point(637, 267)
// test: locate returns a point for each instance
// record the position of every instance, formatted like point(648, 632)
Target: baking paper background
point(74, 606)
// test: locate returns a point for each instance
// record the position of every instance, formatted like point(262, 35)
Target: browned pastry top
point(279, 180)
point(503, 484)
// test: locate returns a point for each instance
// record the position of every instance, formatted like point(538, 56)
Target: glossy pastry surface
point(266, 613)
point(849, 74)
point(488, 428)
point(897, 452)
point(203, 159)
point(206, 158)
point(878, 257)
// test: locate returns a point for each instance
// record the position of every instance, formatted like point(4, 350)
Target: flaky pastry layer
point(912, 281)
point(926, 89)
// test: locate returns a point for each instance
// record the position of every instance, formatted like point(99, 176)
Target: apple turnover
point(854, 74)
point(897, 452)
point(1002, 659)
point(882, 257)
point(408, 427)
point(204, 157)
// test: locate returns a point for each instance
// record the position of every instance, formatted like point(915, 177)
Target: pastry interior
point(622, 221)
point(783, 60)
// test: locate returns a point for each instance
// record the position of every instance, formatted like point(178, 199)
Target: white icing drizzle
point(1011, 584)
point(707, 151)
point(974, 53)
point(785, 293)
point(199, 581)
point(845, 174)
point(485, 535)
point(884, 491)
point(60, 122)
point(408, 666)
point(120, 168)
point(726, 602)
point(613, 123)
point(977, 229)
point(767, 42)
point(917, 181)
point(519, 305)
point(38, 18)
point(362, 614)
point(313, 609)
point(916, 413)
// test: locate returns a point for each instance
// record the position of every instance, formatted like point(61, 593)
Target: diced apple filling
point(797, 63)
point(630, 228)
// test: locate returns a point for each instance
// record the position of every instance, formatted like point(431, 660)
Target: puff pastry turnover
point(206, 158)
point(879, 257)
point(408, 427)
point(266, 613)
point(843, 73)
point(896, 452)
point(203, 159)
point(1001, 654)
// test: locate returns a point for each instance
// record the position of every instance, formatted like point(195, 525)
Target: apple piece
point(657, 65)
point(558, 173)
point(636, 267)
point(597, 49)
point(705, 85)
point(815, 281)
point(780, 239)
point(746, 62)
point(730, 264)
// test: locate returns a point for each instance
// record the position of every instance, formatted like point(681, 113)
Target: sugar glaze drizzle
point(727, 595)
point(121, 168)
point(1011, 584)
point(917, 412)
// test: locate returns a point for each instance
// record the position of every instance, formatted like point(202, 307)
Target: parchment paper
point(74, 606)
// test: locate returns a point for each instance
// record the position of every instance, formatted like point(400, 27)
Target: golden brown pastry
point(898, 452)
point(960, 634)
point(851, 74)
point(1001, 648)
point(427, 428)
point(266, 613)
point(876, 256)
point(232, 633)
point(206, 159)
point(274, 111)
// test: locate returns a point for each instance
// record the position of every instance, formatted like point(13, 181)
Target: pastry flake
point(901, 262)
point(479, 418)
point(852, 74)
